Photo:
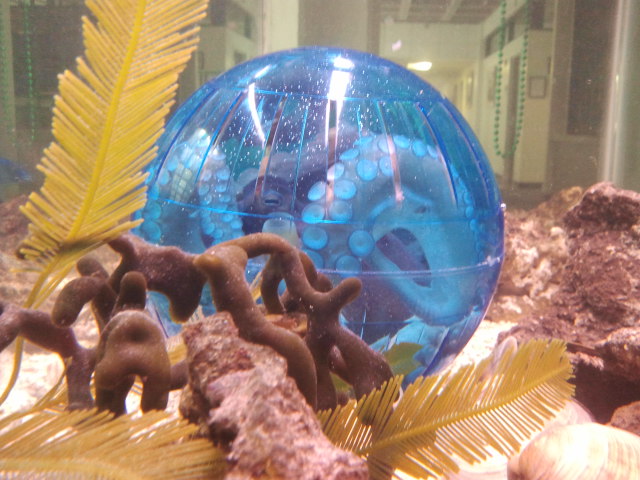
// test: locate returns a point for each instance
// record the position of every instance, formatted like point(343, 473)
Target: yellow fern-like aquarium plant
point(106, 120)
point(466, 415)
point(94, 445)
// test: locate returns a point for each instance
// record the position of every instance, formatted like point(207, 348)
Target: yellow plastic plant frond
point(468, 414)
point(106, 120)
point(87, 444)
point(351, 426)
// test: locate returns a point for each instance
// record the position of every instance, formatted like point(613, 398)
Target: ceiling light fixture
point(423, 66)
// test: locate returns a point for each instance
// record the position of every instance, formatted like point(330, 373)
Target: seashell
point(586, 451)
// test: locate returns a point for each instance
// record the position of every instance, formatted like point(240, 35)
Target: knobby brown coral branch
point(132, 344)
point(168, 270)
point(102, 304)
point(75, 294)
point(325, 339)
point(226, 273)
point(36, 327)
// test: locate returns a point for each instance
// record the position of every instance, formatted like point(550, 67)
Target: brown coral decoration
point(91, 286)
point(225, 270)
point(133, 293)
point(72, 298)
point(132, 344)
point(332, 347)
point(102, 304)
point(168, 270)
point(36, 327)
point(327, 346)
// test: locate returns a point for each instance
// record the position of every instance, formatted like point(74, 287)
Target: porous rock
point(627, 417)
point(604, 246)
point(240, 396)
point(621, 352)
point(596, 307)
point(535, 252)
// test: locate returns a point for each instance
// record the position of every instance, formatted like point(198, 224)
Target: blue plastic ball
point(361, 164)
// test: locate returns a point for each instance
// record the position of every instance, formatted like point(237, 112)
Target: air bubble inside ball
point(361, 164)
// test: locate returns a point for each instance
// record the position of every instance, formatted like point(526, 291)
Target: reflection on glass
point(530, 76)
